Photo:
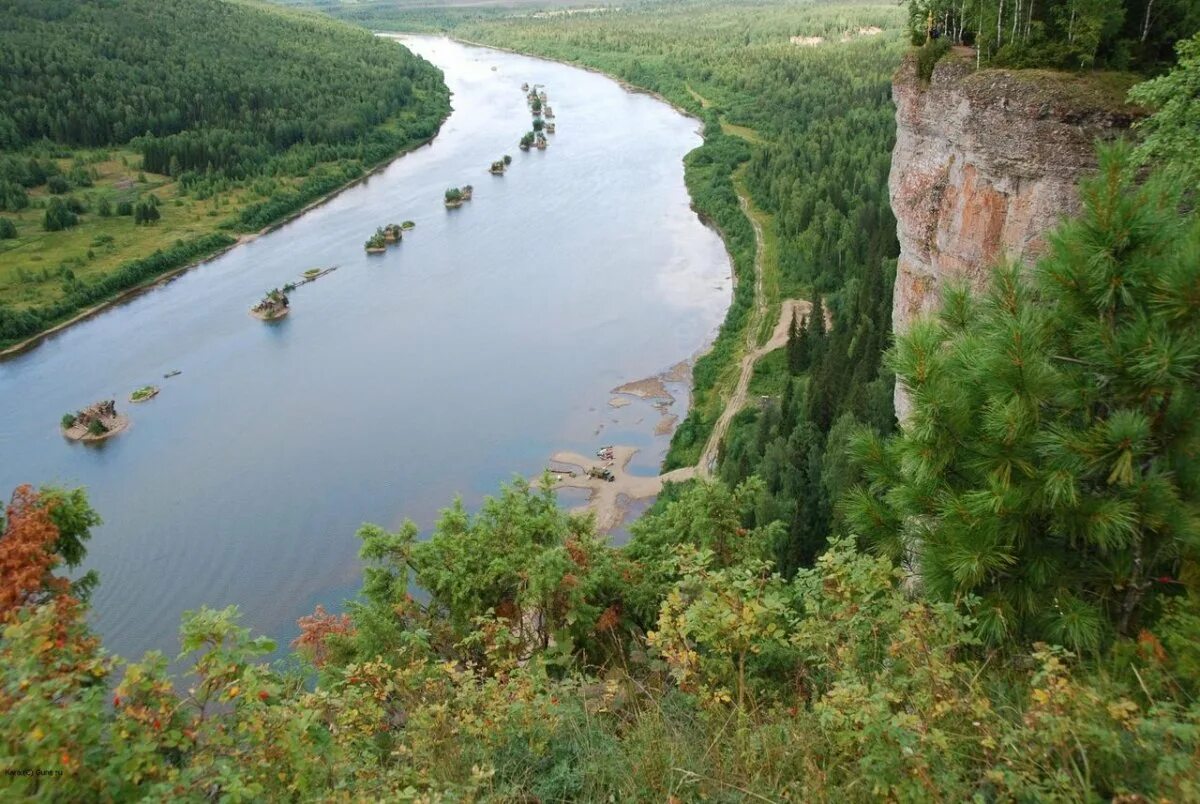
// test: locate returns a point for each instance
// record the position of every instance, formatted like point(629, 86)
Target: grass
point(35, 263)
point(770, 375)
point(745, 132)
point(41, 271)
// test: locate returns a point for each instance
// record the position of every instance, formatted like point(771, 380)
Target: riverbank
point(630, 282)
point(716, 363)
point(625, 85)
point(136, 290)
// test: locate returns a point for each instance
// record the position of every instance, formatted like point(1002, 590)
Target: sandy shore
point(262, 316)
point(610, 500)
point(680, 372)
point(649, 388)
point(115, 424)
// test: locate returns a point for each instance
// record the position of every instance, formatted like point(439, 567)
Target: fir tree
point(1049, 467)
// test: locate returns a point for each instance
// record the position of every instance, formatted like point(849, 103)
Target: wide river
point(486, 341)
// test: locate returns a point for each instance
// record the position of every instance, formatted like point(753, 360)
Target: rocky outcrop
point(985, 163)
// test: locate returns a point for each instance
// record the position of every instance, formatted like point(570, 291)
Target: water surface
point(486, 341)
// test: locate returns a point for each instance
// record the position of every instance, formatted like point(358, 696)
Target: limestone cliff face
point(984, 164)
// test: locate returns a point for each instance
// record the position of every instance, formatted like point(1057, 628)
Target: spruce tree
point(1048, 469)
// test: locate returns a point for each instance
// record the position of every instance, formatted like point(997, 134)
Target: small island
point(273, 306)
point(540, 142)
point(96, 422)
point(392, 233)
point(408, 225)
point(376, 243)
point(548, 113)
point(146, 392)
point(457, 196)
point(526, 141)
point(549, 128)
point(500, 165)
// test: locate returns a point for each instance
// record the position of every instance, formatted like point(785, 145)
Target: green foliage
point(74, 518)
point(928, 56)
point(1070, 34)
point(836, 684)
point(518, 577)
point(183, 84)
point(1049, 466)
point(145, 212)
point(58, 216)
point(1044, 489)
point(179, 76)
point(8, 229)
point(1172, 133)
point(18, 324)
point(57, 185)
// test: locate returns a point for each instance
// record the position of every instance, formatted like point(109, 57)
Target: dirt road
point(609, 500)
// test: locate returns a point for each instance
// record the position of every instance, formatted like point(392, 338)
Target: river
point(486, 341)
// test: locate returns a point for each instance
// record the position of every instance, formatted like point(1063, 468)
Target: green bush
point(929, 54)
point(58, 216)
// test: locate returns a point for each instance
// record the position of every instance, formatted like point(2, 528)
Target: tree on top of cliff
point(1070, 34)
point(1049, 469)
point(1173, 131)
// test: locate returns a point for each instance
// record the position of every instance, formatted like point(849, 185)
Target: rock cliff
point(984, 163)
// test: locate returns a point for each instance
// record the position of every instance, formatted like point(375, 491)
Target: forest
point(1069, 34)
point(997, 603)
point(239, 109)
point(807, 132)
point(1045, 650)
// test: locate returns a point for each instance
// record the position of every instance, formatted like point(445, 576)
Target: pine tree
point(799, 355)
point(1049, 468)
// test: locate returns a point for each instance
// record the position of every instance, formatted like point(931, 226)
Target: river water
point(489, 339)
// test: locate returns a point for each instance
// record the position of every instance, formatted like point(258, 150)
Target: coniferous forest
point(240, 109)
point(998, 602)
point(807, 133)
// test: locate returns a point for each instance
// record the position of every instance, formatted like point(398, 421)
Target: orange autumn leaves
point(27, 551)
point(315, 629)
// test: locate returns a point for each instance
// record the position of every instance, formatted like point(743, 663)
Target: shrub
point(58, 216)
point(929, 54)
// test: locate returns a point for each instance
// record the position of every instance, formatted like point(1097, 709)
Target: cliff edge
point(986, 162)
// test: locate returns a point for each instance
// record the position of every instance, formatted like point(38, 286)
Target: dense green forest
point(236, 108)
point(1072, 34)
point(999, 603)
point(807, 131)
point(1045, 650)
